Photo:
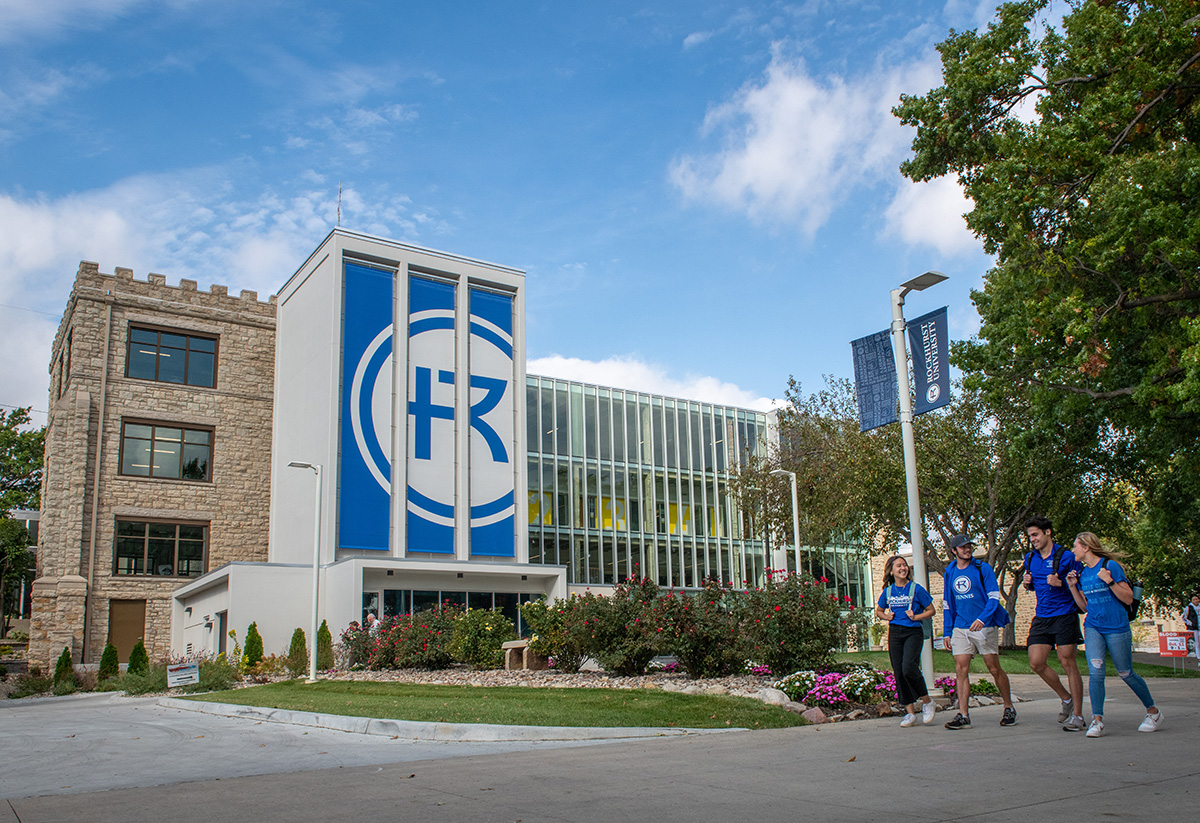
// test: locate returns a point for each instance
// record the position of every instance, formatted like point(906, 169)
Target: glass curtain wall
point(625, 484)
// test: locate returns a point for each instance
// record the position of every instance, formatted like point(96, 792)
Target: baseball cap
point(960, 540)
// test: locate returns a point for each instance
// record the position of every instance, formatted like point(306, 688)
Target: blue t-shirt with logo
point(897, 599)
point(1053, 601)
point(1105, 613)
point(965, 600)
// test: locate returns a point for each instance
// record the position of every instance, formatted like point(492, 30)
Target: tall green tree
point(20, 461)
point(16, 558)
point(1076, 142)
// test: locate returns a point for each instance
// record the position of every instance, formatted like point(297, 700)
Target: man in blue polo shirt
point(1055, 622)
point(972, 619)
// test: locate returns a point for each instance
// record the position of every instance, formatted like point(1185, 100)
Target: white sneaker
point(1064, 714)
point(1097, 728)
point(910, 719)
point(1151, 722)
point(927, 712)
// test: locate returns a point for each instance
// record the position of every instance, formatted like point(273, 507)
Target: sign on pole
point(929, 340)
point(1173, 644)
point(875, 380)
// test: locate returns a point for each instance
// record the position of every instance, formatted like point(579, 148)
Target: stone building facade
point(158, 449)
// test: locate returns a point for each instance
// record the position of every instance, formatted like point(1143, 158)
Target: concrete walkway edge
point(415, 730)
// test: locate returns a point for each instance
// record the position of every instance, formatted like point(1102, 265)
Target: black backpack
point(1130, 608)
point(1055, 564)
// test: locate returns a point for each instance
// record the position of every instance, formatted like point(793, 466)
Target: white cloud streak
point(627, 372)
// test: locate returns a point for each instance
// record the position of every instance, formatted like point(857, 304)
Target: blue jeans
point(1120, 648)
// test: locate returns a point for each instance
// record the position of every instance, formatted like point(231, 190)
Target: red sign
point(1173, 644)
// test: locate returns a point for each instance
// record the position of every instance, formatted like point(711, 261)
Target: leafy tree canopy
point(20, 462)
point(1077, 144)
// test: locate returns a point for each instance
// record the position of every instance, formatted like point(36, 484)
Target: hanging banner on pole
point(929, 341)
point(875, 380)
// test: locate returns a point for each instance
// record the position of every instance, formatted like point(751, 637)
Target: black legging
point(904, 648)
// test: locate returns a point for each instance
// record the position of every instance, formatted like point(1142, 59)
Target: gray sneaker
point(1064, 714)
point(1075, 724)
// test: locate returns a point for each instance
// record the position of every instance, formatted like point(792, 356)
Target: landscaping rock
point(793, 706)
point(692, 690)
point(885, 710)
point(856, 714)
point(815, 715)
point(773, 697)
point(717, 689)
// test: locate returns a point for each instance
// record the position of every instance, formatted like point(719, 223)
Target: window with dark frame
point(171, 357)
point(160, 549)
point(170, 451)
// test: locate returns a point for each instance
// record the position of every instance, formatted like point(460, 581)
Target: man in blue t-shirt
point(1055, 623)
point(972, 616)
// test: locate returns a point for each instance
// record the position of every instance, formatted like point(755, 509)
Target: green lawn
point(513, 705)
point(1016, 662)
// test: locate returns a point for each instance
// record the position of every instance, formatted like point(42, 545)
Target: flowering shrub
point(419, 641)
point(863, 684)
point(797, 684)
point(620, 629)
point(551, 638)
point(792, 622)
point(827, 691)
point(477, 637)
point(701, 631)
point(356, 643)
point(949, 686)
point(758, 669)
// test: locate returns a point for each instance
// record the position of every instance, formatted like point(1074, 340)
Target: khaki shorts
point(984, 641)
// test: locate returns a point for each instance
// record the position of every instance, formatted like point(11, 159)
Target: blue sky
point(705, 197)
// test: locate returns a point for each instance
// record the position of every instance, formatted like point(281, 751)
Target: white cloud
point(630, 373)
point(931, 214)
point(191, 225)
point(21, 18)
point(696, 38)
point(794, 146)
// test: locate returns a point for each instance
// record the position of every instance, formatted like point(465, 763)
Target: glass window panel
point(657, 432)
point(135, 457)
point(532, 440)
point(172, 364)
point(563, 495)
point(125, 527)
point(590, 422)
point(194, 436)
point(173, 341)
point(593, 562)
point(506, 604)
point(620, 511)
point(535, 546)
point(592, 503)
point(142, 361)
point(130, 552)
point(579, 492)
point(549, 506)
point(607, 564)
point(479, 600)
point(200, 368)
point(370, 603)
point(605, 422)
point(536, 500)
point(195, 462)
point(191, 558)
point(143, 336)
point(562, 427)
point(547, 424)
point(423, 600)
point(166, 457)
point(696, 432)
point(707, 442)
point(202, 344)
point(139, 430)
point(162, 530)
point(608, 507)
point(633, 435)
point(577, 421)
point(618, 432)
point(161, 558)
point(395, 602)
point(671, 442)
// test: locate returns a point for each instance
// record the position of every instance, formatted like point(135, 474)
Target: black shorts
point(1055, 631)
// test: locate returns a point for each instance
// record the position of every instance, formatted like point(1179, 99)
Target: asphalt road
point(862, 771)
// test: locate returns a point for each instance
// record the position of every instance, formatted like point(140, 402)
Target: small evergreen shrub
point(254, 647)
point(324, 648)
point(298, 654)
point(110, 664)
point(477, 637)
point(139, 661)
point(64, 673)
point(147, 681)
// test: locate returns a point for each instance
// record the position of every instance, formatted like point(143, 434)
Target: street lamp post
point(900, 350)
point(312, 649)
point(795, 513)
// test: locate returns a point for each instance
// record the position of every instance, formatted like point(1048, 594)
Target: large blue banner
point(492, 482)
point(365, 473)
point(929, 340)
point(875, 380)
point(431, 425)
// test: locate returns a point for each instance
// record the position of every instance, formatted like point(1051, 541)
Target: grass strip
point(513, 705)
point(1017, 662)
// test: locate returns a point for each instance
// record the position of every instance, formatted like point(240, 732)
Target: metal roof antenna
point(339, 218)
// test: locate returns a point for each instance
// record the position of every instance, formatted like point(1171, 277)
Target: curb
point(416, 730)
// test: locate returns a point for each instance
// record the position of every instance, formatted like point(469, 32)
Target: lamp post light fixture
point(795, 515)
point(900, 351)
point(312, 649)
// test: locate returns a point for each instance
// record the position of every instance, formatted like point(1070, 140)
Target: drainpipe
point(91, 564)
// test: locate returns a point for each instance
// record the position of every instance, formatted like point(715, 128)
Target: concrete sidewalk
point(862, 771)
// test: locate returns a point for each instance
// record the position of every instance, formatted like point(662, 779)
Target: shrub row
point(790, 623)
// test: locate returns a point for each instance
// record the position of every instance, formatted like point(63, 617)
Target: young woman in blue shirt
point(1102, 591)
point(903, 604)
